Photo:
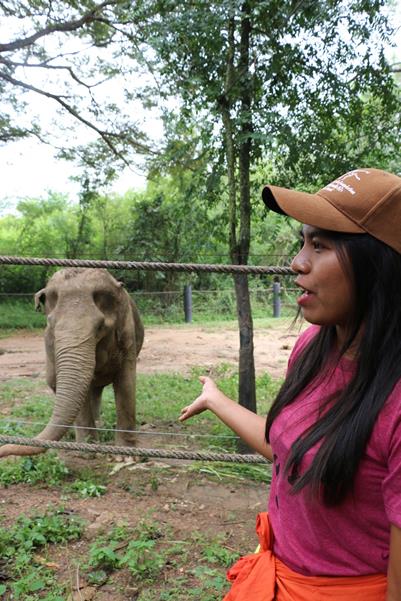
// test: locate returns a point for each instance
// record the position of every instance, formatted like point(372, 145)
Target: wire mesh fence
point(167, 306)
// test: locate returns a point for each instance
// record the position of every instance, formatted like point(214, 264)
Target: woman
point(334, 431)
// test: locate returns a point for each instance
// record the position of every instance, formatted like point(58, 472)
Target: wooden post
point(188, 303)
point(276, 297)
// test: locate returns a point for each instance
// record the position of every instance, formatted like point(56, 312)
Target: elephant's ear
point(40, 298)
point(129, 329)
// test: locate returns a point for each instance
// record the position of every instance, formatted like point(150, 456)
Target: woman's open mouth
point(305, 298)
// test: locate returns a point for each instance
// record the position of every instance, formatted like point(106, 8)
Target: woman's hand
point(246, 424)
point(209, 395)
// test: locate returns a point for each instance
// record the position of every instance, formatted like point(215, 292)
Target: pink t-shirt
point(353, 538)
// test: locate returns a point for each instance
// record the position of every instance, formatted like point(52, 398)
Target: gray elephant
point(93, 337)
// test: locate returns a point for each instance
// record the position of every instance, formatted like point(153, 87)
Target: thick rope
point(149, 266)
point(133, 451)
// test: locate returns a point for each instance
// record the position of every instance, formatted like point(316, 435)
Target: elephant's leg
point(96, 399)
point(124, 392)
point(88, 416)
point(50, 362)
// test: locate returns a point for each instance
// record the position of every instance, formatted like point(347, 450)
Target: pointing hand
point(209, 393)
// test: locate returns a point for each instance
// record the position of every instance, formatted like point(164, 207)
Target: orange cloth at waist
point(263, 577)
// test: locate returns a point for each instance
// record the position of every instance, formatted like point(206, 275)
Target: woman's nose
point(300, 263)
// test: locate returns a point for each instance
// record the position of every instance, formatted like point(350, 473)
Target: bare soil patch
point(166, 349)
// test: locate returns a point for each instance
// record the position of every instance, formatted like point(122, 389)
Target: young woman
point(333, 531)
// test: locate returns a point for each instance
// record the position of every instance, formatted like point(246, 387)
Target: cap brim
point(311, 209)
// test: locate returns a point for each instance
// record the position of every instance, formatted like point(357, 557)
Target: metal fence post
point(276, 297)
point(188, 303)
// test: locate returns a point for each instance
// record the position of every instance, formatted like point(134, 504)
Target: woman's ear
point(40, 298)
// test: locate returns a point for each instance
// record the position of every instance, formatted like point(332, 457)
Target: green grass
point(20, 313)
point(27, 401)
point(160, 398)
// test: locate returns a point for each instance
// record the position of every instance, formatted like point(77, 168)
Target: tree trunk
point(239, 249)
point(247, 384)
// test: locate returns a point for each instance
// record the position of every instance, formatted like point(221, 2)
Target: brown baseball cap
point(361, 201)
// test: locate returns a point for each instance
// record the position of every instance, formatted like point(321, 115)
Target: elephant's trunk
point(75, 365)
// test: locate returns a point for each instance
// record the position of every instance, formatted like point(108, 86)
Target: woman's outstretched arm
point(248, 425)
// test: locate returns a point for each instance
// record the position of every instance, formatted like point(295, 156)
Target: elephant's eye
point(104, 300)
point(51, 299)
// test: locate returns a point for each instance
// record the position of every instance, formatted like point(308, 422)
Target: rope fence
point(149, 266)
point(133, 451)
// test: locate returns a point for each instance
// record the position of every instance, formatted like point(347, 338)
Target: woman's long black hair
point(347, 420)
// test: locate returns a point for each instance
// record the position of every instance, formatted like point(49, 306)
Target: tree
point(259, 73)
point(169, 222)
point(72, 56)
point(41, 228)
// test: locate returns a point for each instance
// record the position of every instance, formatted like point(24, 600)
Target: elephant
point(93, 337)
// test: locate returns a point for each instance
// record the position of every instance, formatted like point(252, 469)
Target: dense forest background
point(248, 92)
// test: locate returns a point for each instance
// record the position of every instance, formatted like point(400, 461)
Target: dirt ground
point(166, 349)
point(180, 499)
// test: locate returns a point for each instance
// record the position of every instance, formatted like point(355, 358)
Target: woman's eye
point(316, 245)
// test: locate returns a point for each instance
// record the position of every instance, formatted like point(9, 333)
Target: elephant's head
point(89, 317)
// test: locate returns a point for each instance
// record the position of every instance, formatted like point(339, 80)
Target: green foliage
point(323, 64)
point(19, 544)
point(143, 552)
point(211, 585)
point(332, 104)
point(142, 559)
point(61, 46)
point(186, 227)
point(139, 555)
point(215, 552)
point(32, 585)
point(56, 526)
point(20, 314)
point(47, 469)
point(86, 489)
point(103, 556)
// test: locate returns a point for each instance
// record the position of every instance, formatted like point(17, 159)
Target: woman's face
point(327, 297)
